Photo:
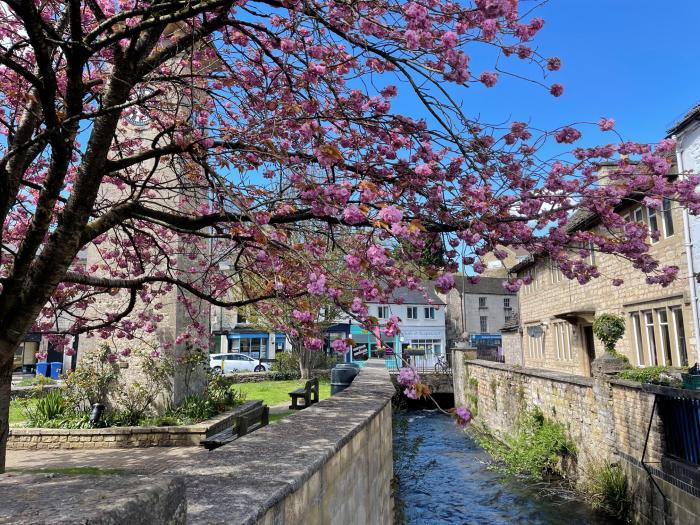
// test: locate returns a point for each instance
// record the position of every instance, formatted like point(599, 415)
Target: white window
point(484, 323)
point(412, 312)
point(665, 336)
point(429, 312)
point(681, 350)
point(562, 340)
point(430, 346)
point(383, 312)
point(482, 302)
point(506, 302)
point(651, 337)
point(653, 222)
point(668, 217)
point(637, 326)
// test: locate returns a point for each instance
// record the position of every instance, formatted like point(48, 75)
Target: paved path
point(148, 460)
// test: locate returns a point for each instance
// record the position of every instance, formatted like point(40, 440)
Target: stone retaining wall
point(259, 377)
point(330, 463)
point(606, 419)
point(121, 437)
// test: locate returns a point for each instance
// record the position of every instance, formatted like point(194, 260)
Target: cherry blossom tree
point(190, 145)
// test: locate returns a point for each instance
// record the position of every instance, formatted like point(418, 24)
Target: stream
point(444, 479)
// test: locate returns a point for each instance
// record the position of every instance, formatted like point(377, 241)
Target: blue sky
point(634, 60)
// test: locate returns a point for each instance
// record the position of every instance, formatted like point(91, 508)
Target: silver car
point(228, 363)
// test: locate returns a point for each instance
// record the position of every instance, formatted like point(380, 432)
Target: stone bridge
point(439, 383)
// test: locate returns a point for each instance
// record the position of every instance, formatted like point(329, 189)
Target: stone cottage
point(556, 314)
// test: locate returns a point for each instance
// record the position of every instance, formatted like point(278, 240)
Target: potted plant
point(609, 329)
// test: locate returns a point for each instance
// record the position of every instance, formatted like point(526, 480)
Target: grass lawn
point(277, 392)
point(17, 415)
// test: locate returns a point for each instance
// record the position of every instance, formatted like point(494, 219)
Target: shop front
point(256, 344)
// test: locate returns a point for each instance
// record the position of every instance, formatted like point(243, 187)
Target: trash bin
point(56, 367)
point(342, 376)
point(42, 369)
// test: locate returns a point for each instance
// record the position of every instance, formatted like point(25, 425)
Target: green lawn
point(17, 415)
point(277, 392)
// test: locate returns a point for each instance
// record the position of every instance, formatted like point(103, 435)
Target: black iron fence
point(681, 419)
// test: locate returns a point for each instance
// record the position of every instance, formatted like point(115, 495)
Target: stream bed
point(444, 479)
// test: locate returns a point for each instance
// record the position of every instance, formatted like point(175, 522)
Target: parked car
point(235, 362)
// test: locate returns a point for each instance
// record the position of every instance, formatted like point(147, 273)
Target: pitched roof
point(692, 114)
point(486, 285)
point(417, 296)
point(513, 325)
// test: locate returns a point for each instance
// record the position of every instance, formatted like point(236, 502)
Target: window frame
point(409, 310)
point(667, 218)
point(383, 312)
point(651, 343)
point(429, 312)
point(680, 340)
point(638, 339)
point(484, 324)
point(664, 337)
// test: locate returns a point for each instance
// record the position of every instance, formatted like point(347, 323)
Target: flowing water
point(444, 479)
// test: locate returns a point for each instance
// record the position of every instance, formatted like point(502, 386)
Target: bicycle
point(442, 366)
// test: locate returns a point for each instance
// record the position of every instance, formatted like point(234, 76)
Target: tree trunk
point(5, 388)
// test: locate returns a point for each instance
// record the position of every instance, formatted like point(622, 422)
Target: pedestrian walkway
point(142, 460)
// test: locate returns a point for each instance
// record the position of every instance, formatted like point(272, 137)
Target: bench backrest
point(311, 387)
point(245, 421)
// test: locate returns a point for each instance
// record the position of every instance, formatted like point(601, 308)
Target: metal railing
point(681, 419)
point(438, 363)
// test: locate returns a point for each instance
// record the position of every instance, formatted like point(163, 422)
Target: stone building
point(556, 314)
point(233, 333)
point(421, 322)
point(477, 310)
point(687, 135)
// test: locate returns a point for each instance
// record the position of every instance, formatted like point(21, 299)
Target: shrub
point(607, 489)
point(48, 407)
point(609, 328)
point(193, 409)
point(222, 392)
point(135, 398)
point(535, 449)
point(650, 374)
point(92, 381)
point(286, 363)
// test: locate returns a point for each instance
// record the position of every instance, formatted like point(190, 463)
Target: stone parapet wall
point(330, 463)
point(120, 437)
point(101, 500)
point(606, 419)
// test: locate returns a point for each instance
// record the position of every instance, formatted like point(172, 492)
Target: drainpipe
point(688, 243)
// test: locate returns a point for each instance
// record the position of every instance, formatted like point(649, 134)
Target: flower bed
point(122, 437)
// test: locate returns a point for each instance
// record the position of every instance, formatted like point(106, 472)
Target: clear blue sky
point(637, 61)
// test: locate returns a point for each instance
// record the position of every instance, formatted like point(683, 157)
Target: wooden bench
point(309, 394)
point(252, 418)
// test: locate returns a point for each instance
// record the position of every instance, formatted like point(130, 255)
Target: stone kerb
point(330, 463)
point(121, 437)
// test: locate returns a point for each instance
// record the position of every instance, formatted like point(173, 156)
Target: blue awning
point(248, 335)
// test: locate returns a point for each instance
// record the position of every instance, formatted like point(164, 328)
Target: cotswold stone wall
point(330, 463)
point(606, 419)
point(121, 437)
